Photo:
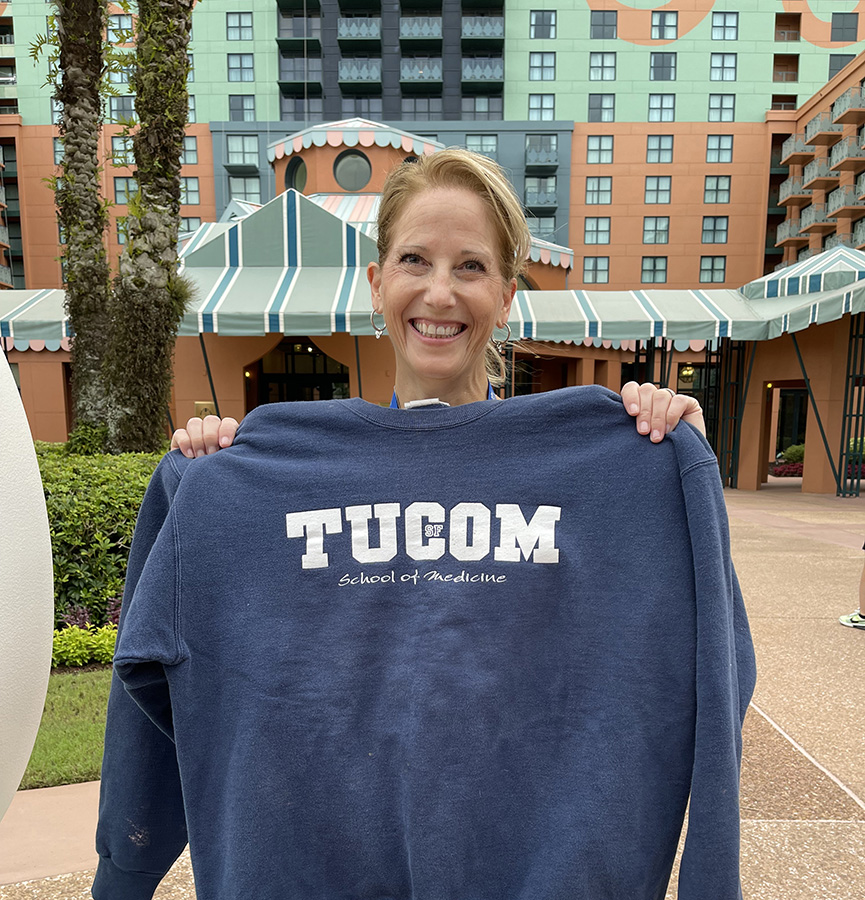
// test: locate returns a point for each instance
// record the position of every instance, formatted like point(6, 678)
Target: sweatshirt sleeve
point(725, 681)
point(142, 826)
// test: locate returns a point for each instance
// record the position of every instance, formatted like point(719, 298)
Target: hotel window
point(602, 108)
point(242, 149)
point(599, 190)
point(121, 151)
point(603, 25)
point(665, 26)
point(487, 144)
point(788, 26)
point(120, 29)
point(725, 26)
point(597, 230)
point(662, 107)
point(190, 75)
point(713, 268)
point(121, 109)
point(361, 106)
point(722, 67)
point(659, 148)
point(189, 156)
point(124, 188)
point(845, 27)
point(716, 189)
point(722, 107)
point(542, 107)
point(541, 186)
point(482, 108)
point(599, 148)
point(191, 118)
point(56, 112)
point(310, 109)
point(542, 67)
point(119, 74)
point(715, 229)
point(658, 189)
point(784, 101)
point(238, 26)
point(189, 194)
point(596, 269)
point(241, 108)
point(425, 108)
point(602, 67)
point(58, 151)
point(188, 224)
point(662, 67)
point(719, 148)
point(241, 67)
point(785, 67)
point(542, 23)
point(122, 224)
point(837, 61)
point(654, 270)
point(542, 226)
point(656, 229)
point(245, 188)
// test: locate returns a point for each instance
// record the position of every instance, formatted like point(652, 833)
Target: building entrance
point(295, 370)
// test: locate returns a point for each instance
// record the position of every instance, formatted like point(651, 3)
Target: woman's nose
point(440, 288)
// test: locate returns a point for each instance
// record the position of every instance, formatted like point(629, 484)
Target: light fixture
point(769, 385)
point(248, 374)
point(687, 373)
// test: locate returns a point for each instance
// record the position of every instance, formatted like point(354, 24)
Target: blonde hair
point(456, 168)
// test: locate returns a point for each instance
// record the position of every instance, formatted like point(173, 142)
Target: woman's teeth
point(438, 331)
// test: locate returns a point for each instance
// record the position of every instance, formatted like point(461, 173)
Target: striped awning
point(822, 272)
point(34, 316)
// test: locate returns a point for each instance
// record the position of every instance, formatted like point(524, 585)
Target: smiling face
point(442, 293)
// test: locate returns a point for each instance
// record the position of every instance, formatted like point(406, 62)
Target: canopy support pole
point(816, 410)
point(665, 383)
point(357, 363)
point(737, 429)
point(209, 376)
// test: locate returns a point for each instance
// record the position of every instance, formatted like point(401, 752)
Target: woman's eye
point(410, 258)
point(473, 266)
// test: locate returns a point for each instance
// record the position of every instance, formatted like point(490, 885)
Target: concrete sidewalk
point(799, 557)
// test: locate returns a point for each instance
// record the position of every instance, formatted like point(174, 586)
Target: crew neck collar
point(421, 418)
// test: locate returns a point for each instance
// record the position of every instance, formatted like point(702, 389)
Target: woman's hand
point(204, 436)
point(658, 410)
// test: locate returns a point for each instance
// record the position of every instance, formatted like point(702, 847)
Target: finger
point(210, 434)
point(631, 397)
point(227, 430)
point(180, 441)
point(646, 395)
point(196, 440)
point(661, 401)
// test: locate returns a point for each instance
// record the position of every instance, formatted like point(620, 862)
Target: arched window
point(352, 170)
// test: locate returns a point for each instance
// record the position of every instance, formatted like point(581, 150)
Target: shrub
point(787, 470)
point(92, 505)
point(76, 646)
point(795, 453)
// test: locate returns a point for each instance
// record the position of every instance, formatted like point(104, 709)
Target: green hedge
point(795, 453)
point(92, 504)
point(74, 646)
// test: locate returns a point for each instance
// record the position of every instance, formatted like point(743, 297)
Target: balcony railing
point(836, 240)
point(300, 69)
point(5, 275)
point(483, 69)
point(788, 34)
point(368, 28)
point(785, 75)
point(7, 38)
point(792, 187)
point(2, 194)
point(815, 214)
point(850, 101)
point(420, 69)
point(859, 233)
point(795, 145)
point(807, 253)
point(787, 230)
point(818, 170)
point(821, 124)
point(360, 70)
point(546, 199)
point(842, 197)
point(420, 26)
point(4, 235)
point(542, 156)
point(846, 152)
point(483, 27)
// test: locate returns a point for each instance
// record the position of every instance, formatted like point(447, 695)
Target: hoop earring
point(500, 345)
point(378, 331)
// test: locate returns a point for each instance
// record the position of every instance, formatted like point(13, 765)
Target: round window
point(352, 170)
point(295, 175)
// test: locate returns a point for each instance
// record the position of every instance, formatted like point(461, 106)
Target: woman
point(383, 644)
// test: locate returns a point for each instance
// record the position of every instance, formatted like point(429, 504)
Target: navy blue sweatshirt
point(487, 651)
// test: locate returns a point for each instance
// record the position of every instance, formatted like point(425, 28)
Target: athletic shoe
point(854, 620)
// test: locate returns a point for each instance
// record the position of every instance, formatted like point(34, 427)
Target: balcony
point(849, 108)
point(815, 220)
point(795, 152)
point(4, 236)
point(845, 203)
point(792, 192)
point(859, 234)
point(847, 156)
point(6, 275)
point(7, 45)
point(297, 33)
point(360, 32)
point(542, 157)
point(420, 31)
point(300, 75)
point(838, 240)
point(8, 89)
point(360, 72)
point(2, 195)
point(486, 70)
point(807, 253)
point(487, 32)
point(818, 176)
point(788, 233)
point(541, 199)
point(10, 109)
point(427, 70)
point(822, 130)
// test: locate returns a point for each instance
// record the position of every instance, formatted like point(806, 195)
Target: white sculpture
point(26, 591)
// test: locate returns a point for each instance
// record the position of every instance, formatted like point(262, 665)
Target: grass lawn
point(68, 746)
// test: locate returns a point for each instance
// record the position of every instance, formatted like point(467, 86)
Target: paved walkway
point(799, 558)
